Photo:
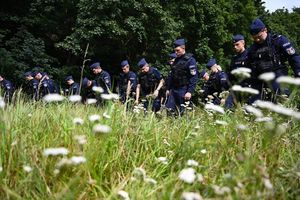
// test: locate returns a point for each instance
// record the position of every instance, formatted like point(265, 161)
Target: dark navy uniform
point(103, 80)
point(217, 83)
point(182, 79)
point(149, 82)
point(73, 89)
point(237, 61)
point(31, 88)
point(87, 91)
point(8, 89)
point(123, 83)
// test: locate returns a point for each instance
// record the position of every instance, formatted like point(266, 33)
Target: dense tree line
point(54, 34)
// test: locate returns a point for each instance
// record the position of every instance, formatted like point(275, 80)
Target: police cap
point(179, 42)
point(95, 65)
point(256, 26)
point(237, 38)
point(124, 63)
point(211, 63)
point(142, 63)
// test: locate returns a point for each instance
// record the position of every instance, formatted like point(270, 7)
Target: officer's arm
point(107, 81)
point(194, 76)
point(290, 52)
point(160, 78)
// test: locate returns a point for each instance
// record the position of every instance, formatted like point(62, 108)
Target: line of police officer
point(268, 53)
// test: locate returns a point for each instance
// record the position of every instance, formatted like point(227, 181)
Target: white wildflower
point(221, 122)
point(75, 98)
point(203, 151)
point(1, 168)
point(241, 127)
point(29, 115)
point(78, 121)
point(53, 97)
point(163, 160)
point(192, 163)
point(238, 88)
point(191, 196)
point(100, 128)
point(242, 72)
point(151, 181)
point(27, 168)
point(221, 190)
point(56, 171)
point(81, 139)
point(97, 89)
point(227, 176)
point(63, 162)
point(105, 115)
point(269, 76)
point(200, 177)
point(92, 181)
point(2, 103)
point(278, 109)
point(288, 80)
point(140, 172)
point(187, 175)
point(124, 195)
point(91, 101)
point(94, 118)
point(14, 143)
point(215, 108)
point(267, 183)
point(264, 119)
point(111, 96)
point(55, 151)
point(254, 111)
point(76, 160)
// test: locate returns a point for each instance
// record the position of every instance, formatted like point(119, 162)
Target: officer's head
point(179, 47)
point(204, 75)
point(258, 31)
point(28, 76)
point(212, 65)
point(125, 66)
point(143, 65)
point(69, 80)
point(172, 57)
point(96, 68)
point(238, 43)
point(86, 83)
point(38, 75)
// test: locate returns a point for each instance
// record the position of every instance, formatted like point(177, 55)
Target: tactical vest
point(180, 71)
point(148, 82)
point(266, 58)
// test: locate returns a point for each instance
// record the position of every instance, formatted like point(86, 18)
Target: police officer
point(31, 85)
point(237, 61)
point(52, 86)
point(102, 77)
point(217, 82)
point(73, 88)
point(150, 81)
point(87, 91)
point(240, 57)
point(183, 78)
point(269, 53)
point(127, 82)
point(7, 88)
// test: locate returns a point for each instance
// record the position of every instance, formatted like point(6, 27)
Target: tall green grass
point(240, 160)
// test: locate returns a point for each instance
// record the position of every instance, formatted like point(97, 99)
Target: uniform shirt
point(73, 89)
point(237, 61)
point(8, 88)
point(217, 82)
point(123, 82)
point(191, 72)
point(149, 81)
point(103, 80)
point(283, 50)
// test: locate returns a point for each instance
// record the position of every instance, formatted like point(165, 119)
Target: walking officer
point(102, 77)
point(127, 82)
point(73, 88)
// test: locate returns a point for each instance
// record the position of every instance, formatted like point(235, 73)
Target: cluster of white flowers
point(192, 163)
point(163, 160)
point(53, 97)
point(191, 196)
point(221, 190)
point(110, 96)
point(277, 108)
point(75, 98)
point(220, 122)
point(74, 160)
point(1, 168)
point(78, 121)
point(214, 108)
point(187, 175)
point(267, 183)
point(94, 118)
point(254, 111)
point(238, 88)
point(288, 80)
point(97, 89)
point(91, 101)
point(100, 128)
point(242, 72)
point(203, 151)
point(81, 139)
point(27, 168)
point(269, 76)
point(2, 103)
point(105, 115)
point(55, 151)
point(123, 194)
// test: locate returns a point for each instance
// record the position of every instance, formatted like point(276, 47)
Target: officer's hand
point(155, 93)
point(167, 93)
point(187, 96)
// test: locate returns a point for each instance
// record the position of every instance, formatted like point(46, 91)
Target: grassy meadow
point(212, 155)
